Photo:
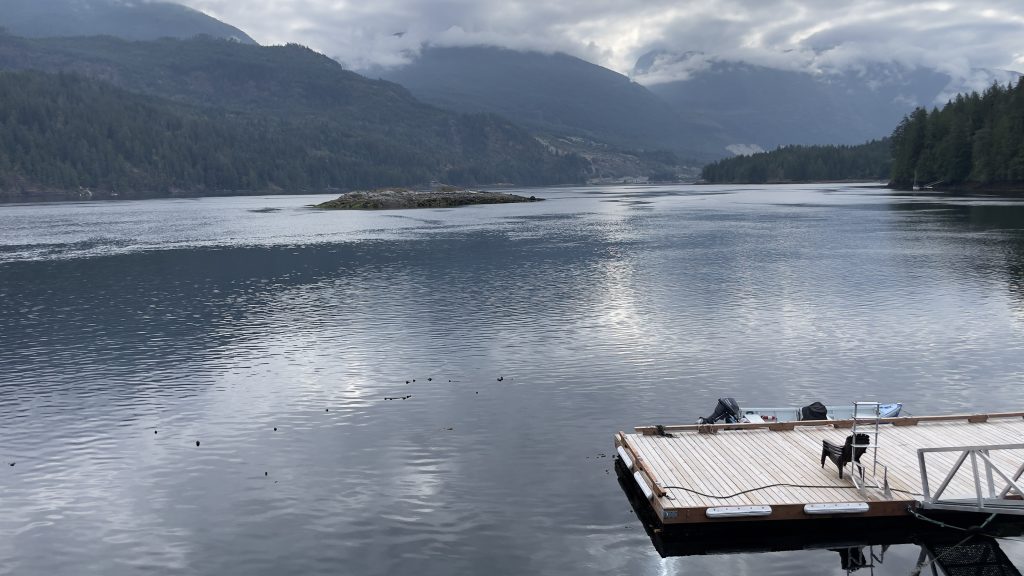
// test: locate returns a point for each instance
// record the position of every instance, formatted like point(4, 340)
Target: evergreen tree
point(973, 139)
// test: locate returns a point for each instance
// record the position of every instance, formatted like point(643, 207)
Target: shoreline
point(969, 189)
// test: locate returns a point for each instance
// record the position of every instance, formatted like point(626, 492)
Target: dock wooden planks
point(778, 465)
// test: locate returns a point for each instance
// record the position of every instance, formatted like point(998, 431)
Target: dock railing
point(986, 497)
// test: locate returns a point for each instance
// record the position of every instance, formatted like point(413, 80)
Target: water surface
point(523, 335)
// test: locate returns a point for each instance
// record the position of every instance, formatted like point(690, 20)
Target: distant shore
point(967, 188)
point(398, 198)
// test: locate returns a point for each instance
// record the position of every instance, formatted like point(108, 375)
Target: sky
point(816, 35)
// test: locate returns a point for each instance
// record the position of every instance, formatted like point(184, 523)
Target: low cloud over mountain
point(810, 35)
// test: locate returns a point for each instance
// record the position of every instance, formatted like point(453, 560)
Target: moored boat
point(835, 412)
point(728, 410)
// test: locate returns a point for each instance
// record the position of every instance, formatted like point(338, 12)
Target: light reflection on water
point(220, 319)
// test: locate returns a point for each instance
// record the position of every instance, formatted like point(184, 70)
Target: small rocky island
point(437, 197)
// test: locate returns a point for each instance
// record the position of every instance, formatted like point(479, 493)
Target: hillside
point(129, 20)
point(283, 80)
point(555, 95)
point(377, 129)
point(61, 135)
point(975, 141)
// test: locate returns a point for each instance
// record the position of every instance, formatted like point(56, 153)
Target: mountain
point(132, 20)
point(555, 95)
point(345, 129)
point(762, 108)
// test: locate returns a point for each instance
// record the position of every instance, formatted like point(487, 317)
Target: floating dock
point(726, 473)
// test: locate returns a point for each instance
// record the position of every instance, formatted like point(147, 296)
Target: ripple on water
point(520, 338)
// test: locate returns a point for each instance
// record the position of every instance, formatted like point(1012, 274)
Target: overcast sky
point(814, 34)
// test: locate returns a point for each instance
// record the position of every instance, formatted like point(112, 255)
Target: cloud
point(817, 35)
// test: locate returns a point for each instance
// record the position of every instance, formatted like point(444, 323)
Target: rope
point(972, 532)
point(972, 529)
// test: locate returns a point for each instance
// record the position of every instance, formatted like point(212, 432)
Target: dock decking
point(777, 465)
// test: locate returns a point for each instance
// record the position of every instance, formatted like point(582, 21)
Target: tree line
point(66, 134)
point(869, 161)
point(974, 139)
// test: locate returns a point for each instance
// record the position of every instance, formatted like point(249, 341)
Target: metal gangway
point(1003, 497)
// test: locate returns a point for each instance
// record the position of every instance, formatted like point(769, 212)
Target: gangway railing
point(986, 496)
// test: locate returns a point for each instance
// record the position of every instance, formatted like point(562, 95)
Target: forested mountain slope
point(348, 131)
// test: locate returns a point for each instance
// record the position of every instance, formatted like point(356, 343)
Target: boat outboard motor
point(727, 409)
point(814, 411)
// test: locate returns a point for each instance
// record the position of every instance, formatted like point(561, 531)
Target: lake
point(514, 340)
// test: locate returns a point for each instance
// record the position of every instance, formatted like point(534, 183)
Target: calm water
point(524, 336)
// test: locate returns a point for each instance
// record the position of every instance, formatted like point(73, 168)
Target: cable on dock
point(780, 485)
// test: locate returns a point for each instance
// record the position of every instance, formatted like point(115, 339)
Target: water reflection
point(128, 331)
point(994, 226)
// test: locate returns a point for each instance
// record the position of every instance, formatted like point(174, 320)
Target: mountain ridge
point(554, 94)
point(766, 107)
point(128, 20)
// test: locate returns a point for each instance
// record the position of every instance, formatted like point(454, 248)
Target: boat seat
point(842, 455)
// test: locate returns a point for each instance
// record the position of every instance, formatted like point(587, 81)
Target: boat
point(728, 410)
point(844, 412)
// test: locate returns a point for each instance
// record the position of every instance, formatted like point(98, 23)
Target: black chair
point(844, 454)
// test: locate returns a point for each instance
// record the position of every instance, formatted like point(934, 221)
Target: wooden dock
point(772, 471)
